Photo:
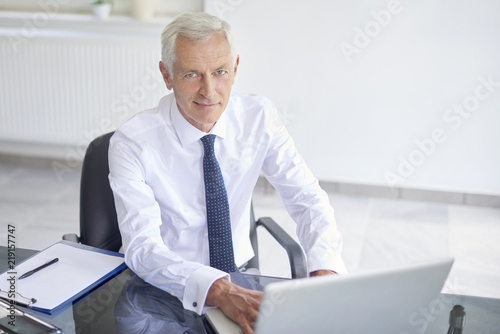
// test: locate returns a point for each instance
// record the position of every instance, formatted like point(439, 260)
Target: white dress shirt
point(156, 173)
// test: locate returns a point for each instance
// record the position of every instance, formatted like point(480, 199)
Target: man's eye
point(191, 75)
point(220, 72)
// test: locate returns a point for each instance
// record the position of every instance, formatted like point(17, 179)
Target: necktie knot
point(208, 141)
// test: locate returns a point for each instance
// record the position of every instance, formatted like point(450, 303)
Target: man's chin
point(204, 109)
point(207, 115)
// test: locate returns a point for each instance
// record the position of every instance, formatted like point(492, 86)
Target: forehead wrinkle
point(196, 64)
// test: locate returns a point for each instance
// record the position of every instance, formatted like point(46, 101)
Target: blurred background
point(393, 104)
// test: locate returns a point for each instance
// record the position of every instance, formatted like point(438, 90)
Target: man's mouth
point(206, 105)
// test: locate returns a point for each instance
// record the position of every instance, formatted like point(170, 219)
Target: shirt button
point(195, 304)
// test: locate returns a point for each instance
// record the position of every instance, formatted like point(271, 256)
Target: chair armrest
point(71, 237)
point(296, 256)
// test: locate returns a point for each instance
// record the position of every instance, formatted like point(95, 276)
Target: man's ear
point(166, 75)
point(236, 63)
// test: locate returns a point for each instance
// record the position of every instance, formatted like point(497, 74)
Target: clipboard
point(23, 322)
point(80, 269)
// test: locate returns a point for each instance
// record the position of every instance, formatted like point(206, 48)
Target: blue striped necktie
point(218, 220)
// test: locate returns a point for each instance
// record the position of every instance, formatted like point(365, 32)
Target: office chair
point(99, 224)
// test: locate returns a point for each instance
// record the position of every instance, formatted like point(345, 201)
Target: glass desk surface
point(127, 304)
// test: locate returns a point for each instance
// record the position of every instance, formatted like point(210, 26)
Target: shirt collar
point(189, 134)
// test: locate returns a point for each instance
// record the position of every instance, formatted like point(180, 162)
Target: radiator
point(66, 88)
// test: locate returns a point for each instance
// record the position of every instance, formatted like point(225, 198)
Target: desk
point(126, 304)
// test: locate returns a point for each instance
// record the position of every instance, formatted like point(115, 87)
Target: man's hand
point(239, 304)
point(322, 273)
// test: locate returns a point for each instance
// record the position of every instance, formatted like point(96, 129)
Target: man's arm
point(304, 199)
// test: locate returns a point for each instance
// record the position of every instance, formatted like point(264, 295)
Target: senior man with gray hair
point(183, 190)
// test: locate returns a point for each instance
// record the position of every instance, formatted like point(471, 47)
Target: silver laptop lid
point(378, 301)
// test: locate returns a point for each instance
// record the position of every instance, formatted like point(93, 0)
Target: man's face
point(203, 74)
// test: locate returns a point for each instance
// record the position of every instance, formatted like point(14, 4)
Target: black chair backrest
point(98, 222)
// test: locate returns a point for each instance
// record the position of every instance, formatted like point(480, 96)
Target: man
point(157, 174)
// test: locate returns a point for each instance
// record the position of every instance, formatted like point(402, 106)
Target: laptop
point(391, 300)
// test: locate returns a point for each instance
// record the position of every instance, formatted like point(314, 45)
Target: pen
point(31, 272)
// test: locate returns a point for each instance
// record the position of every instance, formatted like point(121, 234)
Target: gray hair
point(195, 26)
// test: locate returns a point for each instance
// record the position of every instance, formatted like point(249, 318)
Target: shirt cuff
point(197, 286)
point(332, 261)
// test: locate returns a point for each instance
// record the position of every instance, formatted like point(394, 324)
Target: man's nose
point(207, 88)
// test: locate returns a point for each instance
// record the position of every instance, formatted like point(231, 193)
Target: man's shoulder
point(249, 99)
point(147, 121)
point(251, 105)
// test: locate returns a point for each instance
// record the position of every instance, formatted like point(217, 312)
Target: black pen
point(31, 272)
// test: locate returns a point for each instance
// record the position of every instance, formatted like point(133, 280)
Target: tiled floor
point(42, 204)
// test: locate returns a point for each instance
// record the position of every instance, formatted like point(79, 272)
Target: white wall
point(358, 114)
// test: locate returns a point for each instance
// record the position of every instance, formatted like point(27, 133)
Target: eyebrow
point(218, 68)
